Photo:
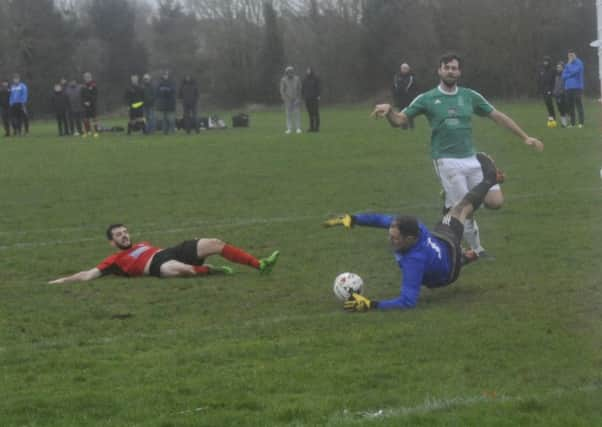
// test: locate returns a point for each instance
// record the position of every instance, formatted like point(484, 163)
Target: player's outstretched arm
point(386, 111)
point(345, 220)
point(361, 219)
point(82, 276)
point(505, 121)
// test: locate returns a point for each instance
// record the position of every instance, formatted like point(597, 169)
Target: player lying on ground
point(184, 260)
point(432, 259)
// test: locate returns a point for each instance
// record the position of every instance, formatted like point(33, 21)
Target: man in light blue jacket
point(18, 101)
point(573, 86)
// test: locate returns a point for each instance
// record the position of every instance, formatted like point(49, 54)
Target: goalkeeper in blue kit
point(432, 259)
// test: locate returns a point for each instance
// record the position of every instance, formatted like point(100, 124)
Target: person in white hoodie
point(290, 92)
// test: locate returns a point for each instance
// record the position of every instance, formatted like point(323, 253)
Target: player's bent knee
point(494, 205)
point(494, 200)
point(206, 247)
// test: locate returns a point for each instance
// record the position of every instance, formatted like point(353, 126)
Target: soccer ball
point(346, 284)
point(552, 124)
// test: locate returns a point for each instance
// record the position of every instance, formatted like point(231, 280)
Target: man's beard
point(450, 82)
point(120, 246)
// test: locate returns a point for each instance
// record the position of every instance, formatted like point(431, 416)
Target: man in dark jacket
point(134, 97)
point(311, 89)
point(60, 105)
point(404, 90)
point(166, 103)
point(189, 94)
point(5, 106)
point(76, 107)
point(546, 80)
point(89, 100)
point(149, 103)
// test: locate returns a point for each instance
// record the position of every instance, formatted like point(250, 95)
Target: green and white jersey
point(450, 117)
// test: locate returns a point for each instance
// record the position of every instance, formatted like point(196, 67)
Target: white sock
point(471, 235)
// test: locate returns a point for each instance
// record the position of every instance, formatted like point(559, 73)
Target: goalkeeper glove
point(360, 303)
point(345, 220)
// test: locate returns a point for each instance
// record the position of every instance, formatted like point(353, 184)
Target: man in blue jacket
point(432, 259)
point(573, 86)
point(18, 104)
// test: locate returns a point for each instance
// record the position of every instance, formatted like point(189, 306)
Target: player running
point(449, 109)
point(432, 259)
point(184, 260)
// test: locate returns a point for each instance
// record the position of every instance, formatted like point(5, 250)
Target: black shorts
point(185, 252)
point(90, 112)
point(136, 113)
point(450, 231)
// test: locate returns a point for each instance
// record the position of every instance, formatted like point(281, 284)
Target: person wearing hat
point(546, 80)
point(60, 105)
point(290, 92)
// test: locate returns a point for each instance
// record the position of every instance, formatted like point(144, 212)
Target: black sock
point(478, 193)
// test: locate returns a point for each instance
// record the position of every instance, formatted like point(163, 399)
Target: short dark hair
point(110, 229)
point(571, 51)
point(407, 225)
point(448, 57)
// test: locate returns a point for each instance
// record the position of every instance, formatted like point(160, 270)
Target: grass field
point(516, 341)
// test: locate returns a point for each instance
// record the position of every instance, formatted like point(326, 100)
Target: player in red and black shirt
point(184, 260)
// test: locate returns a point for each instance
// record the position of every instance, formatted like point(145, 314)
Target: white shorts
point(458, 176)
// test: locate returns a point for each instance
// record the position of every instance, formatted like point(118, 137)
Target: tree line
point(237, 49)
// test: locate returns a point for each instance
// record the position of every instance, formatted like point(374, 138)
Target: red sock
point(239, 256)
point(201, 269)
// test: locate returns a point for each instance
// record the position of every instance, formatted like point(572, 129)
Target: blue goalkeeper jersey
point(426, 263)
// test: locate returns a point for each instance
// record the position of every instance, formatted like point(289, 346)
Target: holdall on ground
point(240, 121)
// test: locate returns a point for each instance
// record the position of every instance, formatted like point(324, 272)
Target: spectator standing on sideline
point(90, 101)
point(149, 103)
point(64, 84)
point(404, 90)
point(60, 105)
point(573, 87)
point(311, 89)
point(166, 103)
point(290, 92)
point(76, 109)
point(189, 94)
point(18, 100)
point(546, 79)
point(134, 97)
point(559, 94)
point(5, 106)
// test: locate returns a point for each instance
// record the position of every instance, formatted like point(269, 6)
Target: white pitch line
point(436, 404)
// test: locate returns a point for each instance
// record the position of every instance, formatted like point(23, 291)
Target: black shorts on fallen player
point(185, 252)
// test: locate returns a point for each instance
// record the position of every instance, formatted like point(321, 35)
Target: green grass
point(516, 341)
